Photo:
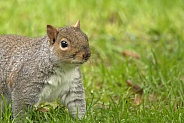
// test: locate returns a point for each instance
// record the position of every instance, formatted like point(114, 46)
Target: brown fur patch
point(10, 80)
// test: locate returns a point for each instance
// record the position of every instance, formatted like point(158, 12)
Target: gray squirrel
point(36, 70)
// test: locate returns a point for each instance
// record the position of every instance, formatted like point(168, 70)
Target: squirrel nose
point(86, 55)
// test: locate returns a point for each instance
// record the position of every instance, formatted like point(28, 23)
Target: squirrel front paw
point(77, 108)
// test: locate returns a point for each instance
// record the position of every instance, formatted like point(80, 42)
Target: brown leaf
point(137, 96)
point(138, 100)
point(130, 54)
point(136, 89)
point(43, 109)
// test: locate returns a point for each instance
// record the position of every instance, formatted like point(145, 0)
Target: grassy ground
point(139, 41)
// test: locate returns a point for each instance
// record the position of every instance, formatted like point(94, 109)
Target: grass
point(152, 30)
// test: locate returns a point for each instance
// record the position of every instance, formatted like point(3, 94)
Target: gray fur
point(32, 73)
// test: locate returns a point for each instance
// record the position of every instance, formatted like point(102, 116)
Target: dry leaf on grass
point(138, 95)
point(136, 89)
point(131, 54)
point(46, 107)
point(43, 109)
point(138, 99)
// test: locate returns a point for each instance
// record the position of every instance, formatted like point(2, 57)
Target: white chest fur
point(58, 84)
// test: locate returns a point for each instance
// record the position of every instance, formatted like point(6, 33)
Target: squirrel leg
point(4, 102)
point(2, 107)
point(74, 100)
point(18, 105)
point(23, 100)
point(5, 99)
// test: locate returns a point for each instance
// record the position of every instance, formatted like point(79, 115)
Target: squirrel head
point(69, 44)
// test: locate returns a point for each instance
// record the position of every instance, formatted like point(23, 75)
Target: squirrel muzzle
point(86, 55)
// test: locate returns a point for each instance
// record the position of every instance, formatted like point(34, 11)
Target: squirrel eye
point(64, 44)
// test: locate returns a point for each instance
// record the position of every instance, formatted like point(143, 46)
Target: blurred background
point(137, 47)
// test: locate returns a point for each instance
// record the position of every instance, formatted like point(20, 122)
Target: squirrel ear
point(77, 25)
point(52, 33)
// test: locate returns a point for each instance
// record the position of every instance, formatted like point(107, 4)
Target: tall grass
point(153, 30)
